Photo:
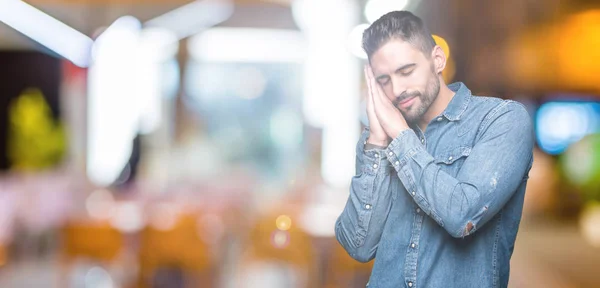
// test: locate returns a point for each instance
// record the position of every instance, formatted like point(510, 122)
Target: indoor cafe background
point(210, 143)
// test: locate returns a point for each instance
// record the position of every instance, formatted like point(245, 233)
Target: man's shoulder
point(485, 110)
point(493, 107)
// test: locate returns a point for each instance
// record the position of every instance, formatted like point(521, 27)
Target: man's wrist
point(377, 142)
point(399, 131)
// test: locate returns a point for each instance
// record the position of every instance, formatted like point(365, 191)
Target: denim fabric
point(442, 208)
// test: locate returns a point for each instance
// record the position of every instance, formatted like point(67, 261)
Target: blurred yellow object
point(443, 44)
point(577, 51)
point(94, 240)
point(343, 271)
point(35, 141)
point(562, 56)
point(180, 246)
point(450, 70)
point(3, 255)
point(283, 222)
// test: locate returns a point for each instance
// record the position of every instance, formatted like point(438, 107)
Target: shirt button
point(412, 245)
point(418, 210)
point(413, 193)
point(409, 284)
point(390, 153)
point(397, 163)
point(439, 119)
point(375, 166)
point(365, 142)
point(376, 155)
point(368, 207)
point(450, 158)
point(422, 140)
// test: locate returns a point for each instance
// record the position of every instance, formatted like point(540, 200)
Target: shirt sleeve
point(358, 229)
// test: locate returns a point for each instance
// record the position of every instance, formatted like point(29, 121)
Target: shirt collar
point(459, 102)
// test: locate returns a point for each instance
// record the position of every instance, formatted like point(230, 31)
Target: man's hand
point(389, 117)
point(377, 135)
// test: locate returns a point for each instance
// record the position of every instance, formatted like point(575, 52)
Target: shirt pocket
point(451, 160)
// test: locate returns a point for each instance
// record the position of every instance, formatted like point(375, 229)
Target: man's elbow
point(465, 222)
point(361, 253)
point(362, 256)
point(461, 230)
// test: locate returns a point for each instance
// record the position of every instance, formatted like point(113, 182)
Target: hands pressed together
point(385, 120)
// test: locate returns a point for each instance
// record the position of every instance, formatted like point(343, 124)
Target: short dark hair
point(402, 25)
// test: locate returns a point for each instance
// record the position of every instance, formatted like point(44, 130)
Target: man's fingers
point(370, 95)
point(368, 83)
point(375, 92)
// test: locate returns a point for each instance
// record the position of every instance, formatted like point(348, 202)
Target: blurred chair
point(345, 272)
point(286, 255)
point(179, 247)
point(96, 241)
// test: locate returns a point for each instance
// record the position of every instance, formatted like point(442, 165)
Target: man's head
point(406, 62)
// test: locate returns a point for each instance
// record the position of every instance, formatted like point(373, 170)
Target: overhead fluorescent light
point(192, 18)
point(113, 115)
point(248, 45)
point(46, 30)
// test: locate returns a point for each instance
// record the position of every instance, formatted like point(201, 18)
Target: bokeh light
point(100, 204)
point(283, 222)
point(280, 239)
point(97, 277)
point(377, 8)
point(164, 216)
point(581, 166)
point(559, 124)
point(127, 217)
point(589, 223)
point(252, 83)
point(355, 41)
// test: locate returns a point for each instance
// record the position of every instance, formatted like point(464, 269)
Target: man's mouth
point(406, 102)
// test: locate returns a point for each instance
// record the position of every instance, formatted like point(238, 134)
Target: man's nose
point(398, 88)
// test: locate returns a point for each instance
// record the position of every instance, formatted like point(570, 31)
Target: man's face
point(407, 77)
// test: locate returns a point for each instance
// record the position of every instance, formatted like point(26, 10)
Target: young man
point(440, 173)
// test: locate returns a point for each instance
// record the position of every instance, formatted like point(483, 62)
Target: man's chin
point(410, 117)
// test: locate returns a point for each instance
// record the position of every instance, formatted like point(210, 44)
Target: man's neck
point(438, 106)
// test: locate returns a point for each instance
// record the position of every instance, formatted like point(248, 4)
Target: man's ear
point(439, 59)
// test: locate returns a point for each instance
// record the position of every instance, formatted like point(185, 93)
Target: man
point(440, 173)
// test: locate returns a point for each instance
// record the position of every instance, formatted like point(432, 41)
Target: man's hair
point(402, 25)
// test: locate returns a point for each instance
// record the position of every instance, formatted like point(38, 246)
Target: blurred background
point(178, 143)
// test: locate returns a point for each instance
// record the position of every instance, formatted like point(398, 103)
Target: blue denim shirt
point(442, 208)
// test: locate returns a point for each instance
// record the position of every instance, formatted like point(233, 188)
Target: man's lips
point(407, 102)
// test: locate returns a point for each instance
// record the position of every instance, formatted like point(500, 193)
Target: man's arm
point(358, 229)
point(494, 169)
